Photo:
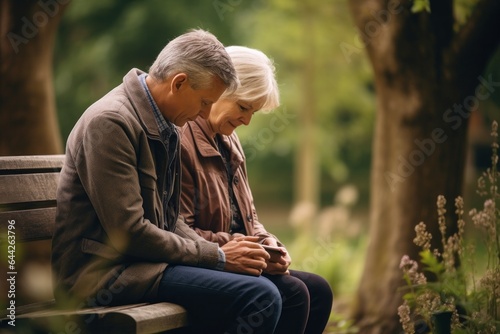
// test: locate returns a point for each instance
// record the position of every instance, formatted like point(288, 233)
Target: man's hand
point(245, 256)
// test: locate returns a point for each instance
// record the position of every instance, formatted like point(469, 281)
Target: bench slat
point(30, 163)
point(151, 318)
point(53, 311)
point(135, 318)
point(23, 189)
point(30, 225)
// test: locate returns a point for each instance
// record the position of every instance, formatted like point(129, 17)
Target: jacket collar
point(139, 99)
point(203, 137)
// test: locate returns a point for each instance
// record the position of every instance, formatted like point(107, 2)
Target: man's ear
point(179, 81)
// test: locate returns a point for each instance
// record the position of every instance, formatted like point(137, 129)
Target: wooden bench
point(27, 210)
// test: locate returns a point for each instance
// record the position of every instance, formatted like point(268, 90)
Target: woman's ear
point(179, 81)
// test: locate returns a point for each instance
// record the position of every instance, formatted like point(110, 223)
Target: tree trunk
point(28, 121)
point(425, 81)
point(308, 170)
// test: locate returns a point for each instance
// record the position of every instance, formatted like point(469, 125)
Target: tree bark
point(426, 80)
point(28, 121)
point(307, 174)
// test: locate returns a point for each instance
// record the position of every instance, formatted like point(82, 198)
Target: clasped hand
point(245, 255)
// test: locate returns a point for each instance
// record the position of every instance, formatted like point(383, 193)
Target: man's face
point(191, 103)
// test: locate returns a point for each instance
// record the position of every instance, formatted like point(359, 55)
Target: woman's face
point(227, 114)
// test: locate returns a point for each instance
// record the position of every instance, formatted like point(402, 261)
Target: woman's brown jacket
point(205, 202)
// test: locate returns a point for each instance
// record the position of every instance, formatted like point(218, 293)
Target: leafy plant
point(471, 303)
point(421, 6)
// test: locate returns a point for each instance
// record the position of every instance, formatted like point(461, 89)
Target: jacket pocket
point(96, 248)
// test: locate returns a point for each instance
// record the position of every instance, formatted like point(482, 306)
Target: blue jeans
point(222, 302)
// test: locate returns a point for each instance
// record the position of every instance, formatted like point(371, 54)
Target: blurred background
point(320, 134)
point(309, 161)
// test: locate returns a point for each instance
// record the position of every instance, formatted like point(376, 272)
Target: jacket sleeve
point(107, 162)
point(185, 231)
point(190, 199)
point(258, 229)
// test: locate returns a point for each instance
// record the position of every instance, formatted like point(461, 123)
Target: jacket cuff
point(221, 263)
point(209, 254)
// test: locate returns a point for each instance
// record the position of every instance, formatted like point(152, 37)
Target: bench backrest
point(28, 195)
point(27, 210)
point(28, 187)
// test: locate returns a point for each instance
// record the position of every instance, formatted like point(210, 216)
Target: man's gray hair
point(200, 55)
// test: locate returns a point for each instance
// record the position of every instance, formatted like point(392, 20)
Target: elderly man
point(118, 237)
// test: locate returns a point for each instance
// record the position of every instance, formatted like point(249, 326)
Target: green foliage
point(431, 262)
point(463, 9)
point(99, 41)
point(317, 81)
point(472, 300)
point(421, 6)
point(339, 260)
point(339, 325)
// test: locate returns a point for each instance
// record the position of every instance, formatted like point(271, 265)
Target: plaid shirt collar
point(165, 127)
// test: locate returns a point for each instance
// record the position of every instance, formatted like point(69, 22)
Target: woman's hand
point(237, 235)
point(281, 266)
point(245, 256)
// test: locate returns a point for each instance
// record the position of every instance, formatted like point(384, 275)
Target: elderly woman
point(217, 201)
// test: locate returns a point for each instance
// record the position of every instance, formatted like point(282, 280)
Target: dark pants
point(307, 302)
point(221, 302)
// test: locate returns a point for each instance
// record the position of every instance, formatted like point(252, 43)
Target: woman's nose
point(247, 118)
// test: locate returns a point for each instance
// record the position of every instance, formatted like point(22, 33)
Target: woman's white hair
point(256, 74)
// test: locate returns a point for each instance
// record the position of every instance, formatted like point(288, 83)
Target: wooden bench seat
point(27, 212)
